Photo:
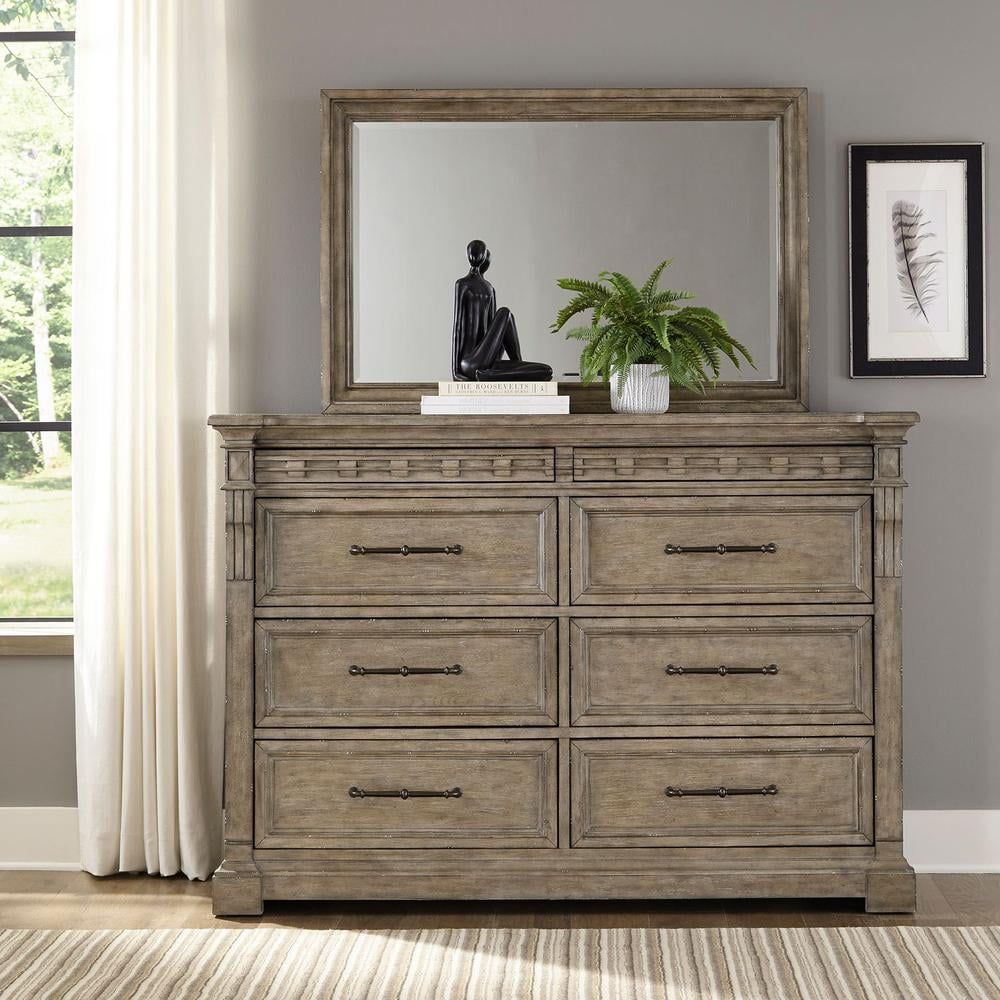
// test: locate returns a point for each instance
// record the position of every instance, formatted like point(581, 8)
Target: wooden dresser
point(587, 656)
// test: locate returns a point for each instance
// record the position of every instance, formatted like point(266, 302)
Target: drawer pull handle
point(404, 671)
point(721, 671)
point(406, 550)
point(721, 793)
point(675, 550)
point(403, 793)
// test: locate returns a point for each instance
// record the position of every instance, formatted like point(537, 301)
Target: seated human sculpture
point(482, 333)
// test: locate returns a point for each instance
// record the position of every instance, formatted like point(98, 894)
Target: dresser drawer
point(741, 464)
point(318, 793)
point(649, 551)
point(410, 465)
point(719, 671)
point(406, 672)
point(645, 793)
point(369, 551)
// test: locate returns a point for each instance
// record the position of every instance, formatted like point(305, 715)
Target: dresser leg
point(891, 892)
point(237, 894)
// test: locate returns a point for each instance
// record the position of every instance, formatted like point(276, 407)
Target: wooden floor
point(76, 900)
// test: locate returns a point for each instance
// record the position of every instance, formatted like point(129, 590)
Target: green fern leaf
point(579, 285)
point(649, 286)
point(666, 300)
point(623, 285)
point(578, 304)
point(702, 359)
point(704, 343)
point(582, 333)
point(701, 314)
point(734, 345)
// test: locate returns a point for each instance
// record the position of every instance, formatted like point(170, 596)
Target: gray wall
point(858, 59)
point(37, 764)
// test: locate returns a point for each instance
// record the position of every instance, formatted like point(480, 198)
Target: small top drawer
point(410, 465)
point(739, 464)
point(721, 550)
point(420, 551)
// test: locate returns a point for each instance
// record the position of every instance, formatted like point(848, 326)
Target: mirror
point(560, 186)
point(554, 199)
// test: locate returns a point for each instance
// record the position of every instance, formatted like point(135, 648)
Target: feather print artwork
point(916, 266)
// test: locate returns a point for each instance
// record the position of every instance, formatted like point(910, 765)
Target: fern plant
point(631, 325)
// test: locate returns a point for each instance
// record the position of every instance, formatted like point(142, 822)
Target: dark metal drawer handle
point(721, 792)
point(356, 671)
point(722, 670)
point(675, 550)
point(406, 550)
point(403, 793)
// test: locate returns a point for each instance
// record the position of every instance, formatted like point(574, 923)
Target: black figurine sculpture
point(483, 334)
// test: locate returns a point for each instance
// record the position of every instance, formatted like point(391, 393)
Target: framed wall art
point(917, 260)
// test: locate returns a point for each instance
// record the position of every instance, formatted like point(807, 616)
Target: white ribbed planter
point(643, 391)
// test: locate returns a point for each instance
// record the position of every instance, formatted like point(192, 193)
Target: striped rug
point(756, 964)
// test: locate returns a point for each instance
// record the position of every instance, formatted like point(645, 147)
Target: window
point(36, 212)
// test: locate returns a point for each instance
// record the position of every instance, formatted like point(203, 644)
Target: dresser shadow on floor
point(69, 900)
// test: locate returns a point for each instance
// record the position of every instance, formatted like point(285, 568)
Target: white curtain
point(150, 360)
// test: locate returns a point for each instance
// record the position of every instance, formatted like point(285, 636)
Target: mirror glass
point(551, 200)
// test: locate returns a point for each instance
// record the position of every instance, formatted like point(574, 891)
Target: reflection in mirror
point(553, 199)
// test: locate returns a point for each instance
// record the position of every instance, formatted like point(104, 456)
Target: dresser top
point(691, 429)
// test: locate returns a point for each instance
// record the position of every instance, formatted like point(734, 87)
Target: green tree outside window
point(36, 191)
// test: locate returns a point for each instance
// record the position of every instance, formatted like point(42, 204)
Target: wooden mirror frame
point(786, 107)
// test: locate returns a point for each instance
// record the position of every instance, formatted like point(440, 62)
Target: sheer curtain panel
point(150, 364)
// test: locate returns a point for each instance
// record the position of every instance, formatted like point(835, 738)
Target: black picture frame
point(860, 155)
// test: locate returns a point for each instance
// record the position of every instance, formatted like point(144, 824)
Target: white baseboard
point(39, 837)
point(952, 840)
point(934, 840)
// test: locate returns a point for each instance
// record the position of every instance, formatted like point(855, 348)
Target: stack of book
point(468, 398)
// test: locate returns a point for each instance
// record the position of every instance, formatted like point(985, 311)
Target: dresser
point(586, 656)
